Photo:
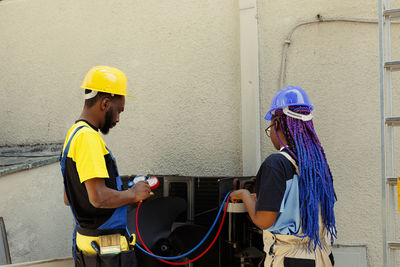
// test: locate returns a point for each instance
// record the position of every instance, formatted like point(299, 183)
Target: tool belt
point(108, 247)
point(99, 232)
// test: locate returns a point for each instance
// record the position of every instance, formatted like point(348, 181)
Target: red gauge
point(153, 182)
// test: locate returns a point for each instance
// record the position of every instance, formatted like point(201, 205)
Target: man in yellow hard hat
point(93, 188)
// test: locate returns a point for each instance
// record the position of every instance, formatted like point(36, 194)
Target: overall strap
point(291, 160)
point(63, 163)
point(63, 156)
point(63, 159)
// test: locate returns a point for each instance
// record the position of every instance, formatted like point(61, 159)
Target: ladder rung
point(393, 121)
point(392, 12)
point(393, 244)
point(391, 181)
point(392, 65)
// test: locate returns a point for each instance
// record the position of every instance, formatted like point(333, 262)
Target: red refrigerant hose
point(189, 261)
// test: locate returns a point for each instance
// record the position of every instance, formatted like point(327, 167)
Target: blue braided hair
point(315, 178)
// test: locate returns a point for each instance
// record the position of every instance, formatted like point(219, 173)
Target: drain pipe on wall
point(317, 19)
point(250, 95)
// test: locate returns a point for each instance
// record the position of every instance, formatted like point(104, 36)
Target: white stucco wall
point(182, 63)
point(337, 64)
point(38, 224)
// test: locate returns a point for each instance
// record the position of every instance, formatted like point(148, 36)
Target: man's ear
point(105, 104)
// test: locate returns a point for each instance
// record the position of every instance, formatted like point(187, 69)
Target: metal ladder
point(389, 181)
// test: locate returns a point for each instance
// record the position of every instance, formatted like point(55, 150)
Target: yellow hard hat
point(106, 79)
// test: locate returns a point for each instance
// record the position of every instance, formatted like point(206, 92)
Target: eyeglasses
point(268, 130)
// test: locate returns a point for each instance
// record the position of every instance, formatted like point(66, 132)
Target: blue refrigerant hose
point(198, 245)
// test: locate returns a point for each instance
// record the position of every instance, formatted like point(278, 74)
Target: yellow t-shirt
point(87, 150)
point(88, 158)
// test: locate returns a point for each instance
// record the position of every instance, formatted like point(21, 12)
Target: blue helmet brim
point(268, 117)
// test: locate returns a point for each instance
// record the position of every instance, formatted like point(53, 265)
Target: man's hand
point(140, 191)
point(100, 196)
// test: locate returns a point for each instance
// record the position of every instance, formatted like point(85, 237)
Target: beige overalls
point(295, 247)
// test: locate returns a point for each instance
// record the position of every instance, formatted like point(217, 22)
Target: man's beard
point(108, 122)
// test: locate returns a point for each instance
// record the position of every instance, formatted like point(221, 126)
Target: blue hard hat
point(288, 96)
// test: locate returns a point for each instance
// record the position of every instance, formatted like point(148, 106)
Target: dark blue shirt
point(271, 182)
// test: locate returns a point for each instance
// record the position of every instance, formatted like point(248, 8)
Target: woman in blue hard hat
point(295, 198)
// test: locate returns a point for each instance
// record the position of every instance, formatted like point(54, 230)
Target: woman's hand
point(263, 219)
point(237, 195)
